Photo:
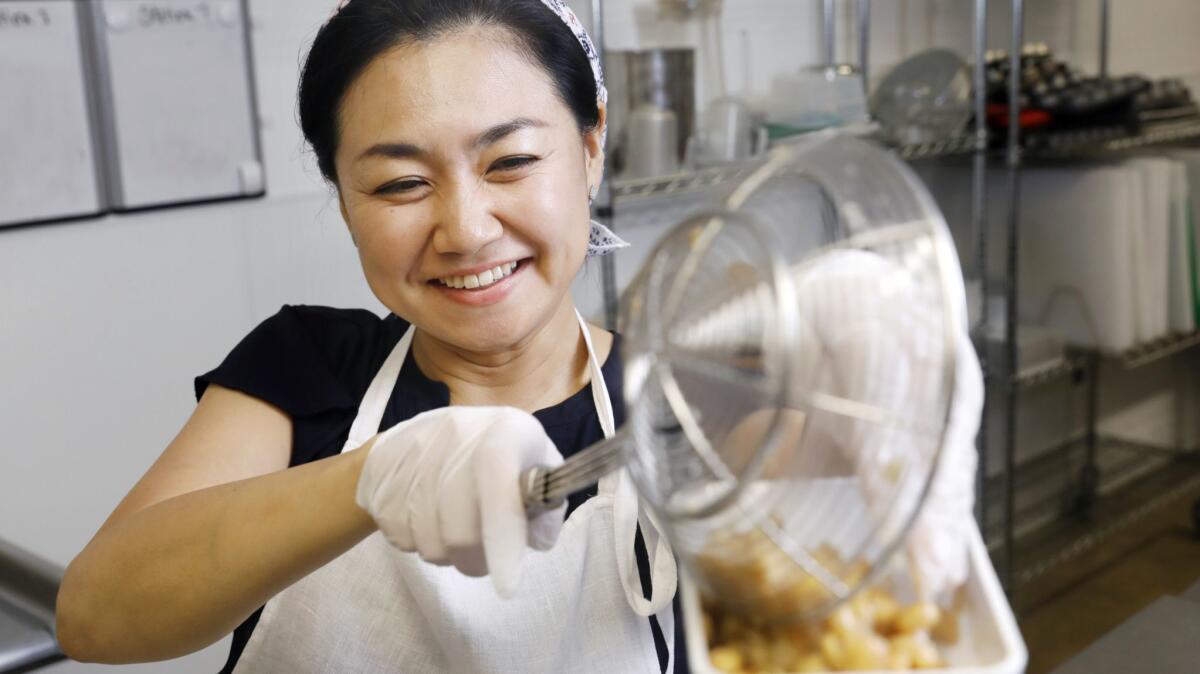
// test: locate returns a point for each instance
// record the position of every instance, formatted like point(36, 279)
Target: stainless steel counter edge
point(28, 590)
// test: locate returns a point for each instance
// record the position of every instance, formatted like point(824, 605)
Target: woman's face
point(464, 180)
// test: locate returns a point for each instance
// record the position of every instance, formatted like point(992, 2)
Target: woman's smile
point(482, 288)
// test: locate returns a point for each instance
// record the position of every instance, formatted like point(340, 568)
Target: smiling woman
point(326, 482)
point(456, 156)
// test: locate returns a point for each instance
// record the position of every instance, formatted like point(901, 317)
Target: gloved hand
point(880, 343)
point(445, 484)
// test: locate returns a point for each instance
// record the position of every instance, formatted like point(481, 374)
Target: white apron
point(578, 608)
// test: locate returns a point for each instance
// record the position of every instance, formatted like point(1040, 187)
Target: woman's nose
point(466, 223)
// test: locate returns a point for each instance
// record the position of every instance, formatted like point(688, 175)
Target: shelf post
point(1104, 26)
point(979, 226)
point(864, 44)
point(1013, 158)
point(603, 209)
point(829, 25)
point(1089, 478)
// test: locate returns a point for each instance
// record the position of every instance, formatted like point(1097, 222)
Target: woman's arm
point(215, 528)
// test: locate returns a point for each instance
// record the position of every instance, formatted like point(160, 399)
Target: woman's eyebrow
point(393, 151)
point(498, 132)
point(488, 137)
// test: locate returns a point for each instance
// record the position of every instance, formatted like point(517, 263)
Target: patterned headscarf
point(568, 17)
point(601, 239)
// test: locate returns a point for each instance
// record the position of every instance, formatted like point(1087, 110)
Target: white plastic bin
point(989, 641)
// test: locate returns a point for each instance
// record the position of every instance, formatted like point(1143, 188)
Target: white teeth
point(481, 280)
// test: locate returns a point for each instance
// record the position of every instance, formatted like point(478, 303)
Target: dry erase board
point(47, 153)
point(177, 103)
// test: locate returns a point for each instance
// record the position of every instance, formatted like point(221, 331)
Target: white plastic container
point(1097, 255)
point(989, 641)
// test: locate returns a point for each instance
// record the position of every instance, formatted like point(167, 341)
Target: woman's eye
point(511, 163)
point(402, 186)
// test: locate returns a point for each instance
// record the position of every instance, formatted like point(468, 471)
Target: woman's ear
point(593, 143)
point(346, 217)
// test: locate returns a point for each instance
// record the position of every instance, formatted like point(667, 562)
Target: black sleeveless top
point(315, 364)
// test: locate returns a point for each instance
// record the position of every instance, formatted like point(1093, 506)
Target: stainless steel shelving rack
point(974, 144)
point(1004, 384)
point(1082, 365)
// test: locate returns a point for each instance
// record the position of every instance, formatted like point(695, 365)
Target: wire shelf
point(1088, 542)
point(1044, 373)
point(1131, 358)
point(1048, 481)
point(678, 183)
point(947, 147)
point(1154, 350)
point(1109, 140)
point(627, 189)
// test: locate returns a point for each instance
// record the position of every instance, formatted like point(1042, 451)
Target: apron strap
point(600, 397)
point(374, 402)
point(664, 576)
point(628, 513)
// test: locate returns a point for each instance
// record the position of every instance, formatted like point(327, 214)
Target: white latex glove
point(880, 343)
point(937, 542)
point(445, 484)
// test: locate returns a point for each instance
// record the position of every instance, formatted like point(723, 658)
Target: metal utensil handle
point(545, 488)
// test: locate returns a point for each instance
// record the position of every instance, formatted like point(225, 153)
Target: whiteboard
point(47, 154)
point(177, 101)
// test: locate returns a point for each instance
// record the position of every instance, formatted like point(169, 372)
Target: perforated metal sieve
point(789, 363)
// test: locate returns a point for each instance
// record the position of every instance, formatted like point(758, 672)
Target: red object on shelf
point(1030, 118)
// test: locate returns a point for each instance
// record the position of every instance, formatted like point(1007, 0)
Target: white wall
point(103, 323)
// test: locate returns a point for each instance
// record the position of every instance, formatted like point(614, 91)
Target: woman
point(338, 465)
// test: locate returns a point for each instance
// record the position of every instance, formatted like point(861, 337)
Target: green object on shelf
point(776, 131)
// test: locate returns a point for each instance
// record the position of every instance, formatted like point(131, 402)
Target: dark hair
point(364, 29)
